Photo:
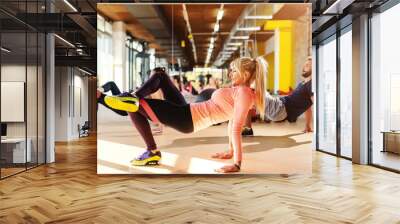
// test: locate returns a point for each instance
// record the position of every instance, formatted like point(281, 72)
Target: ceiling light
point(258, 17)
point(255, 28)
point(70, 5)
point(79, 51)
point(231, 48)
point(5, 50)
point(216, 27)
point(86, 72)
point(65, 41)
point(240, 37)
point(337, 7)
point(235, 44)
point(220, 14)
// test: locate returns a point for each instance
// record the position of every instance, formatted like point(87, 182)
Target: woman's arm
point(243, 103)
point(230, 136)
point(226, 154)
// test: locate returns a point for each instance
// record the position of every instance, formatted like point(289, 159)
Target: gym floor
point(275, 148)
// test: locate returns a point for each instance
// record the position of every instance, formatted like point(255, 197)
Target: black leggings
point(173, 111)
point(161, 81)
point(111, 86)
point(175, 116)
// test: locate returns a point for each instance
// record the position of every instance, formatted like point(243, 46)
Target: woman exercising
point(226, 104)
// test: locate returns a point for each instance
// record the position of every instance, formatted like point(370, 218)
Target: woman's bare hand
point(228, 169)
point(223, 155)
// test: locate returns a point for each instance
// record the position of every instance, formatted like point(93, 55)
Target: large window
point(346, 92)
point(385, 89)
point(104, 51)
point(326, 136)
point(134, 64)
point(334, 94)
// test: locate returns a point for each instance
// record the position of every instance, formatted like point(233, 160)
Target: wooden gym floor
point(275, 148)
point(70, 191)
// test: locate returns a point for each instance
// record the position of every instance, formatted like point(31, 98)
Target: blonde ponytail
point(260, 76)
point(254, 70)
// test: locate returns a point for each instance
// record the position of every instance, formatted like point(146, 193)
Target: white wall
point(71, 102)
point(80, 98)
point(14, 73)
point(33, 127)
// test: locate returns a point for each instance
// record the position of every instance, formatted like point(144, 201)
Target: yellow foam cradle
point(129, 104)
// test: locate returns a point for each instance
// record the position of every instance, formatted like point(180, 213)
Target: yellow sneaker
point(125, 103)
point(150, 157)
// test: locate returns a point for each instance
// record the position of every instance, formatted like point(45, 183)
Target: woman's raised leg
point(160, 80)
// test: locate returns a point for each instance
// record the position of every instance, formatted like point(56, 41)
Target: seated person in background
point(208, 76)
point(208, 90)
point(188, 86)
point(212, 83)
point(188, 90)
point(176, 80)
point(201, 85)
point(290, 107)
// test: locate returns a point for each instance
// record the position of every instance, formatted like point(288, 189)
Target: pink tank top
point(225, 104)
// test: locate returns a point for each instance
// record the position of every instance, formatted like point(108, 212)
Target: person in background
point(188, 86)
point(176, 80)
point(290, 107)
point(208, 90)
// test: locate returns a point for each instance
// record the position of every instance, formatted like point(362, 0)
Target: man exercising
point(290, 107)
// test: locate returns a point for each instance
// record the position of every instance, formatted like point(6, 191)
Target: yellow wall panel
point(286, 52)
point(271, 69)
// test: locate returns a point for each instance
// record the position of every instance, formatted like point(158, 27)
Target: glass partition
point(22, 88)
point(14, 144)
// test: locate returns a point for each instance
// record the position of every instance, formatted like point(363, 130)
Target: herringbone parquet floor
point(70, 191)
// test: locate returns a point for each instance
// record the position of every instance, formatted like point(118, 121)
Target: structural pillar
point(360, 90)
point(50, 98)
point(119, 55)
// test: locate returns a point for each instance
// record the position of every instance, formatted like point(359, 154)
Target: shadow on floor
point(260, 143)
